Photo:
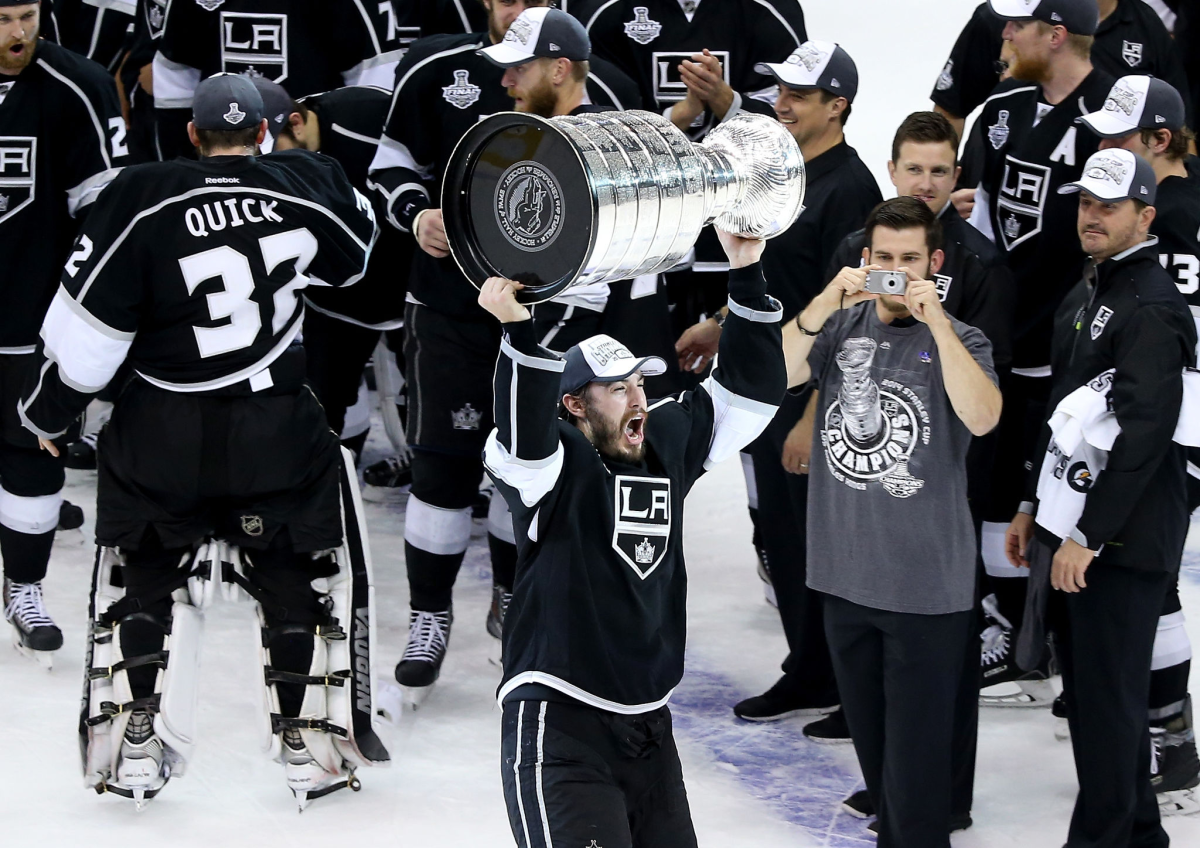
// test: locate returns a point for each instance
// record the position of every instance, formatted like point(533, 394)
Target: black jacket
point(1127, 314)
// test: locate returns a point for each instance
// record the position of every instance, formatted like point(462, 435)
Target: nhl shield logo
point(1131, 52)
point(1100, 321)
point(255, 45)
point(642, 525)
point(18, 167)
point(461, 93)
point(252, 525)
point(641, 29)
point(998, 132)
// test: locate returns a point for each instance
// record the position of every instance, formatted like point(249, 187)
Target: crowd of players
point(386, 90)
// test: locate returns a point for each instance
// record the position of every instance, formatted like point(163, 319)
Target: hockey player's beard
point(1027, 69)
point(539, 101)
point(17, 53)
point(608, 436)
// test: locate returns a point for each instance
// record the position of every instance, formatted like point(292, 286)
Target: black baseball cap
point(1081, 17)
point(816, 64)
point(1137, 103)
point(1115, 175)
point(603, 359)
point(226, 102)
point(541, 33)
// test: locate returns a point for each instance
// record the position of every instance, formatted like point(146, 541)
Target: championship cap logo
point(234, 115)
point(641, 29)
point(1111, 170)
point(808, 55)
point(519, 32)
point(1122, 98)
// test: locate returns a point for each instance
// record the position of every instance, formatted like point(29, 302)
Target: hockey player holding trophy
point(218, 474)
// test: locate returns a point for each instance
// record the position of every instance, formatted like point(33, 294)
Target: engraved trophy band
point(609, 196)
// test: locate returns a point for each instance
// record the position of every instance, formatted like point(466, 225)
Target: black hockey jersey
point(973, 284)
point(1018, 206)
point(649, 38)
point(349, 120)
point(598, 608)
point(97, 29)
point(62, 139)
point(1177, 225)
point(443, 88)
point(1132, 40)
point(193, 270)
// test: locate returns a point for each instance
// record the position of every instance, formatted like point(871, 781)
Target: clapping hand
point(704, 77)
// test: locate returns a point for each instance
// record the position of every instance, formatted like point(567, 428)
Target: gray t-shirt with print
point(888, 522)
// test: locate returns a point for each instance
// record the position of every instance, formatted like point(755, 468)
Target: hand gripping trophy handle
point(608, 196)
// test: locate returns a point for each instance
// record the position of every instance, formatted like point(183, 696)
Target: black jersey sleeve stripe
point(101, 136)
point(85, 194)
point(782, 20)
point(597, 14)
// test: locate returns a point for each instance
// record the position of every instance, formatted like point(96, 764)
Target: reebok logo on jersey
point(234, 115)
point(222, 180)
point(641, 29)
point(462, 93)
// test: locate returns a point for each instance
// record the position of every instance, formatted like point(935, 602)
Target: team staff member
point(61, 140)
point(443, 89)
point(1145, 116)
point(1115, 559)
point(817, 85)
point(1031, 146)
point(903, 388)
point(1130, 38)
point(545, 60)
point(594, 638)
point(342, 325)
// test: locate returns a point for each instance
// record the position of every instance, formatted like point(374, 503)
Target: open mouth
point(634, 433)
point(17, 49)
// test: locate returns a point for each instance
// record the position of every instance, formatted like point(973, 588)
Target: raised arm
point(524, 451)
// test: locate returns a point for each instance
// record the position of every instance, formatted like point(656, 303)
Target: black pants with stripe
point(578, 776)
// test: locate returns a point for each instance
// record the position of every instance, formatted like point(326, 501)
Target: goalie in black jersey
point(218, 474)
point(594, 635)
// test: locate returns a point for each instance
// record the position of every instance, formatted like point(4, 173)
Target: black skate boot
point(34, 632)
point(70, 516)
point(395, 472)
point(428, 638)
point(81, 455)
point(1175, 767)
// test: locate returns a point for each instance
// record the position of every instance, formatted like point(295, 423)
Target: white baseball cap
point(603, 359)
point(540, 33)
point(1115, 175)
point(816, 64)
point(1136, 103)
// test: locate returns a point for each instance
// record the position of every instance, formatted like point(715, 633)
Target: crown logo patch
point(467, 418)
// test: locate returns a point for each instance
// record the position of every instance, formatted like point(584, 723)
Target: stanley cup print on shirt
point(871, 429)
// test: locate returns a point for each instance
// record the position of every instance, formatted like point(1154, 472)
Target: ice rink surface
point(749, 785)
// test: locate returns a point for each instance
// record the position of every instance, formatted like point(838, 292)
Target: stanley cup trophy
point(609, 196)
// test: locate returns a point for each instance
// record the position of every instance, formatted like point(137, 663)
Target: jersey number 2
point(234, 301)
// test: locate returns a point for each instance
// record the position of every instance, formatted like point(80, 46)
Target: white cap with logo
point(1115, 175)
point(603, 359)
point(1135, 103)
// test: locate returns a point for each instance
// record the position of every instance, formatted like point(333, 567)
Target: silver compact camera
point(886, 282)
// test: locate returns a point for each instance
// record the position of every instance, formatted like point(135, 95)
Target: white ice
point(749, 785)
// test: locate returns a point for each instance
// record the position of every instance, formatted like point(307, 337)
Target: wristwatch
point(720, 317)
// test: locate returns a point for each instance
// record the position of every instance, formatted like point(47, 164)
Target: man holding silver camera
point(903, 388)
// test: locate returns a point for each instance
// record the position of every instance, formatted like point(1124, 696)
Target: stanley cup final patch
point(641, 29)
point(998, 132)
point(642, 526)
point(462, 93)
point(1100, 321)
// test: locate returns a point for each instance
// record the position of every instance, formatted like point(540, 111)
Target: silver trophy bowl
point(609, 196)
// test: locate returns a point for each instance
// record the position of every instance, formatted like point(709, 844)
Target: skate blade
point(414, 696)
point(769, 595)
point(1018, 693)
point(43, 658)
point(302, 800)
point(1062, 730)
point(1181, 802)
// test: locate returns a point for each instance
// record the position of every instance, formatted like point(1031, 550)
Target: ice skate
point(495, 623)
point(307, 778)
point(142, 768)
point(34, 633)
point(419, 668)
point(395, 472)
point(1062, 729)
point(1175, 767)
point(1005, 684)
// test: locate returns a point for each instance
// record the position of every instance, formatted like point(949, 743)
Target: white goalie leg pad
point(108, 698)
point(390, 382)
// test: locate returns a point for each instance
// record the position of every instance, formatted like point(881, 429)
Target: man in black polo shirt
point(1111, 507)
point(817, 85)
point(1130, 39)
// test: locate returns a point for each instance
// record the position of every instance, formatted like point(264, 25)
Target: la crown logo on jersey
point(641, 29)
point(462, 93)
point(998, 132)
point(942, 283)
point(945, 79)
point(467, 418)
point(209, 5)
point(255, 44)
point(1131, 52)
point(234, 115)
point(1100, 321)
point(18, 165)
point(642, 525)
